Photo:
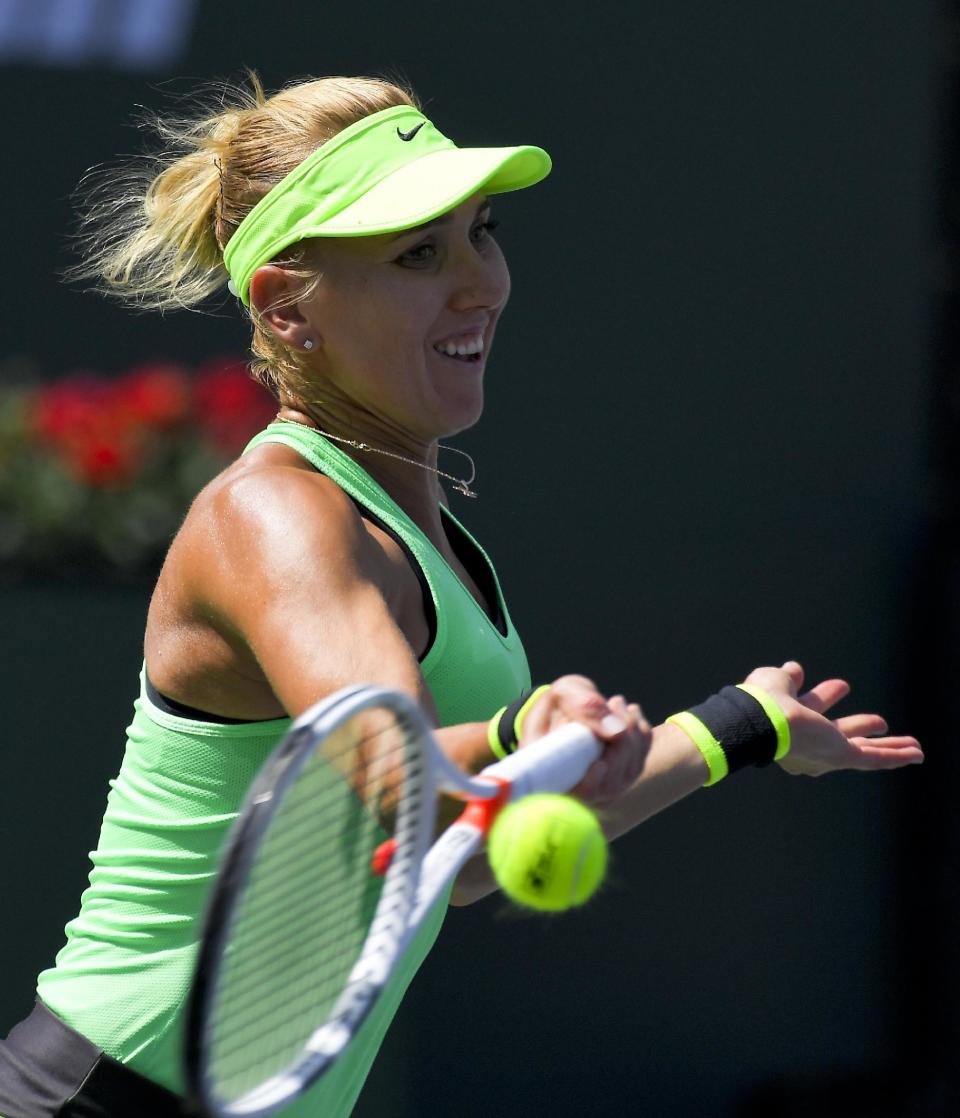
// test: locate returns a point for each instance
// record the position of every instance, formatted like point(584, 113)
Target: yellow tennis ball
point(547, 852)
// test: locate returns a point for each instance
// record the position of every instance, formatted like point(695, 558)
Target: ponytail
point(153, 230)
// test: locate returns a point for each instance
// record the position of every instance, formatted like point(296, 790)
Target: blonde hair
point(152, 232)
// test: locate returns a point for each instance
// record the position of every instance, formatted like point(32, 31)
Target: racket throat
point(383, 857)
point(481, 813)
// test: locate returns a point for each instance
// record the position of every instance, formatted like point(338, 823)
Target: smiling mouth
point(468, 349)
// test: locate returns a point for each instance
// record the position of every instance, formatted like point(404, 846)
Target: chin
point(457, 394)
point(464, 412)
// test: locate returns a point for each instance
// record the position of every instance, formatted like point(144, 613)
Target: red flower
point(74, 404)
point(105, 430)
point(155, 395)
point(103, 464)
point(90, 424)
point(230, 406)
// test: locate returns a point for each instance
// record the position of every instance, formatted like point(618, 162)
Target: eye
point(482, 231)
point(418, 256)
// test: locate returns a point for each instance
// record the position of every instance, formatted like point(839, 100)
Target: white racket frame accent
point(415, 879)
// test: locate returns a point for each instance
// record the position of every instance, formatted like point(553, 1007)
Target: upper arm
point(291, 570)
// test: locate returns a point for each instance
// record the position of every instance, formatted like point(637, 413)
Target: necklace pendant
point(460, 485)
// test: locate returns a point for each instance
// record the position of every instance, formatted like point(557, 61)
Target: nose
point(482, 279)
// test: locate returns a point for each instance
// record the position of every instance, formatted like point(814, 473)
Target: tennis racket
point(328, 872)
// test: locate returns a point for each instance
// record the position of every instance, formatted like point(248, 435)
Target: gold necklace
point(461, 485)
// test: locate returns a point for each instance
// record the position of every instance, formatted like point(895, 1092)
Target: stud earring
point(308, 344)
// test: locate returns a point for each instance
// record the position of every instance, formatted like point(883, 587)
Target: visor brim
point(429, 187)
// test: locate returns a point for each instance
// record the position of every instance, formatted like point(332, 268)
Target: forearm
point(674, 768)
point(466, 745)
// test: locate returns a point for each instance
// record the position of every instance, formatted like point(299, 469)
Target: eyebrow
point(443, 219)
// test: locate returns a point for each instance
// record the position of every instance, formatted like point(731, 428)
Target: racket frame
point(389, 930)
point(416, 877)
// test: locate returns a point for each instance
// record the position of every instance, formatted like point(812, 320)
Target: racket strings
point(273, 889)
point(287, 922)
point(319, 996)
point(290, 951)
point(259, 986)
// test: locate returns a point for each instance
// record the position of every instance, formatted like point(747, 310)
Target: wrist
point(738, 727)
point(505, 729)
point(685, 755)
point(777, 715)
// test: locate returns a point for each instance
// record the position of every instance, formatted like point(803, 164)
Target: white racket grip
point(554, 763)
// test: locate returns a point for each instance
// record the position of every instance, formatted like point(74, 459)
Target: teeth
point(461, 349)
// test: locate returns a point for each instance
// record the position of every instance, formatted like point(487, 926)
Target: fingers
point(589, 789)
point(861, 725)
point(630, 713)
point(795, 672)
point(570, 698)
point(825, 695)
point(626, 755)
point(623, 758)
point(576, 698)
point(876, 754)
point(789, 679)
point(873, 751)
point(785, 680)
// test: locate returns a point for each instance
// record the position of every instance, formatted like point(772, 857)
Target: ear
point(270, 285)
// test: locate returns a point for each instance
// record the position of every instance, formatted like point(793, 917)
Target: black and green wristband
point(737, 727)
point(505, 729)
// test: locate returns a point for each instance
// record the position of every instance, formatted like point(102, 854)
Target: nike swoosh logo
point(413, 131)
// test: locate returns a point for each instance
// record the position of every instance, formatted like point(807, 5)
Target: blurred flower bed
point(96, 474)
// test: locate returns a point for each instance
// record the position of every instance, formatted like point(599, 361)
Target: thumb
point(795, 672)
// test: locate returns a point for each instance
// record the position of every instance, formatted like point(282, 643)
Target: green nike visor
point(390, 171)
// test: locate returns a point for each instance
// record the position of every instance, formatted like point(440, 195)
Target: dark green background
point(705, 449)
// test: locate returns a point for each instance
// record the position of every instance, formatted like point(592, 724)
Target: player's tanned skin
point(276, 589)
point(300, 595)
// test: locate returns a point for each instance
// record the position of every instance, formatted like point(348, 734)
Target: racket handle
point(554, 763)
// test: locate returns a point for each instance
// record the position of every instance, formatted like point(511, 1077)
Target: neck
point(407, 470)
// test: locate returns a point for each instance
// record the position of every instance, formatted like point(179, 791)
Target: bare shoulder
point(277, 591)
point(268, 518)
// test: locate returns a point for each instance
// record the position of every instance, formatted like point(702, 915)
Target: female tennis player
point(360, 241)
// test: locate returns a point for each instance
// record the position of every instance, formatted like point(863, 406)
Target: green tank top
point(124, 974)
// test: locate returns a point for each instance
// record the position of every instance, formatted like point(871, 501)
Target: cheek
point(405, 322)
point(499, 272)
point(401, 331)
point(370, 324)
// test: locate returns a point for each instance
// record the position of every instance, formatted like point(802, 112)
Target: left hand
point(619, 725)
point(819, 744)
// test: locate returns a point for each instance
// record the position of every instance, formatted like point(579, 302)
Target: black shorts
point(48, 1069)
